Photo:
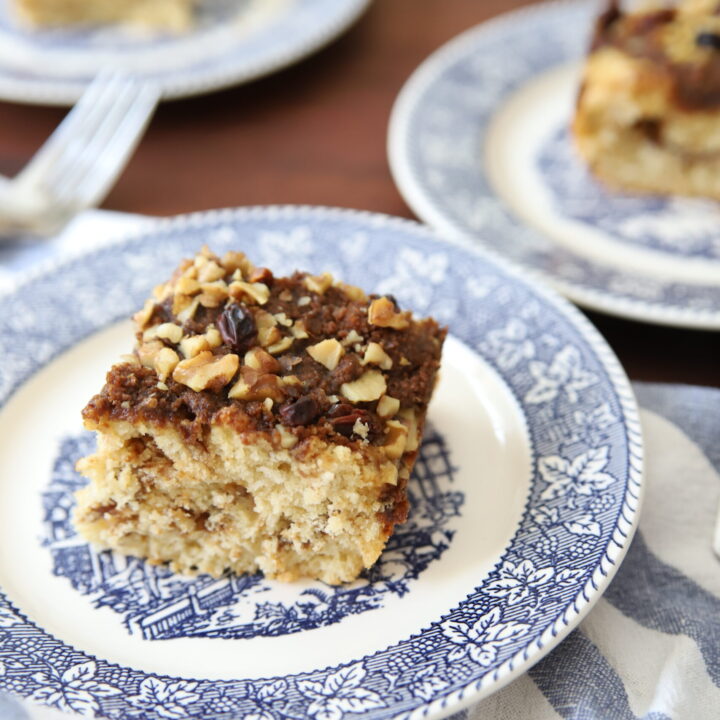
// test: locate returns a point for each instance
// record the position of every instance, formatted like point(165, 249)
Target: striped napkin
point(650, 648)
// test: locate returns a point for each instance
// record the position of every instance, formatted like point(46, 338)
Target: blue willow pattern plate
point(233, 41)
point(480, 147)
point(524, 500)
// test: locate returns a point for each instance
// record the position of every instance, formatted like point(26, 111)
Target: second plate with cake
point(480, 147)
point(523, 500)
point(184, 48)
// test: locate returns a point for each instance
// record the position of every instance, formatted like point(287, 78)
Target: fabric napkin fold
point(650, 648)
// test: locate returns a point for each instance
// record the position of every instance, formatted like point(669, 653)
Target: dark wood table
point(315, 133)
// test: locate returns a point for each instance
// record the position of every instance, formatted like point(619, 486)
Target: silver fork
point(81, 160)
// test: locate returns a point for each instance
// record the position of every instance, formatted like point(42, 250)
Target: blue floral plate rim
point(591, 285)
point(577, 377)
point(303, 29)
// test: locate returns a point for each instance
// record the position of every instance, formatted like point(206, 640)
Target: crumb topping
point(683, 41)
point(297, 356)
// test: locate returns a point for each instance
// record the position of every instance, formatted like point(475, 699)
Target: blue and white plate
point(479, 146)
point(524, 499)
point(233, 41)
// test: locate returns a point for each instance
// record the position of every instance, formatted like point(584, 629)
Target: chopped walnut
point(191, 346)
point(352, 338)
point(327, 353)
point(187, 286)
point(267, 331)
point(210, 272)
point(260, 275)
point(387, 406)
point(160, 292)
point(283, 319)
point(281, 345)
point(259, 292)
point(299, 330)
point(257, 359)
point(318, 283)
point(375, 355)
point(213, 336)
point(188, 312)
point(165, 360)
point(395, 440)
point(142, 317)
point(253, 385)
point(205, 371)
point(147, 352)
point(353, 292)
point(383, 314)
point(369, 386)
point(409, 419)
point(233, 261)
point(213, 294)
point(168, 331)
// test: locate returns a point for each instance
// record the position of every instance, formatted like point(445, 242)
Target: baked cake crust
point(170, 15)
point(261, 423)
point(648, 111)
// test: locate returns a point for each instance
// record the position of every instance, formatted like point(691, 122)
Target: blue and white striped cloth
point(650, 648)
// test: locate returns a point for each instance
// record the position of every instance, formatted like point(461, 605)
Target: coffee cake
point(170, 15)
point(261, 423)
point(648, 111)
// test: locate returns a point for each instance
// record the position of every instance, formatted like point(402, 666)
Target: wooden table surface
point(315, 133)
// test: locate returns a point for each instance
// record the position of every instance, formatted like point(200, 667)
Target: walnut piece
point(318, 283)
point(205, 371)
point(259, 292)
point(382, 313)
point(369, 386)
point(147, 352)
point(327, 353)
point(166, 331)
point(165, 362)
point(191, 346)
point(387, 406)
point(254, 385)
point(281, 345)
point(396, 439)
point(257, 359)
point(142, 317)
point(375, 355)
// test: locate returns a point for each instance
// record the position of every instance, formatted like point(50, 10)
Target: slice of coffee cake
point(169, 15)
point(648, 112)
point(261, 423)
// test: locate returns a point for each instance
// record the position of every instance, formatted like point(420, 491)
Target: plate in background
point(524, 499)
point(233, 42)
point(479, 147)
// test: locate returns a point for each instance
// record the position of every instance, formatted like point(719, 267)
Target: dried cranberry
point(301, 412)
point(340, 408)
point(344, 416)
point(237, 327)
